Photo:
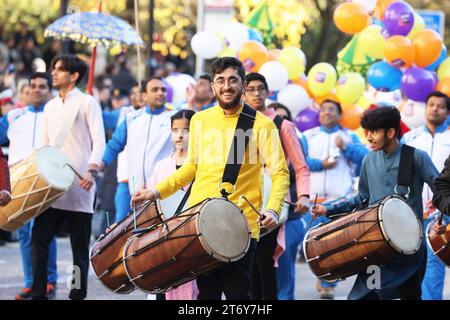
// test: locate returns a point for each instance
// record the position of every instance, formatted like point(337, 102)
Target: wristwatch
point(93, 172)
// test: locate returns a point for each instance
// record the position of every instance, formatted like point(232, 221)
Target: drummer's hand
point(87, 182)
point(318, 210)
point(269, 219)
point(302, 205)
point(141, 196)
point(5, 198)
point(439, 228)
point(110, 227)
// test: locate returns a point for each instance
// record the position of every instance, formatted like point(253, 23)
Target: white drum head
point(224, 230)
point(400, 225)
point(51, 164)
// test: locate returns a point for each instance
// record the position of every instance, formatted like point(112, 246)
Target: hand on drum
point(5, 198)
point(302, 205)
point(439, 228)
point(141, 196)
point(318, 210)
point(268, 220)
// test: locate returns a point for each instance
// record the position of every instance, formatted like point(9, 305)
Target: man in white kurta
point(84, 144)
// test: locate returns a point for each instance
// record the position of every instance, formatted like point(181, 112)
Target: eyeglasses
point(232, 82)
point(253, 90)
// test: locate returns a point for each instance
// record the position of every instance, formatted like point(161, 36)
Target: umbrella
point(260, 19)
point(353, 59)
point(94, 28)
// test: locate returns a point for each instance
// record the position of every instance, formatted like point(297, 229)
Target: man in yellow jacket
point(211, 135)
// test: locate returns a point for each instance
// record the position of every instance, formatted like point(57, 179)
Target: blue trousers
point(122, 200)
point(433, 281)
point(24, 235)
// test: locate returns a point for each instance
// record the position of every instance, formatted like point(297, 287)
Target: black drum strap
point(405, 168)
point(245, 122)
point(278, 122)
point(183, 201)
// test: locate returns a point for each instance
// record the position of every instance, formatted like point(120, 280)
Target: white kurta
point(85, 144)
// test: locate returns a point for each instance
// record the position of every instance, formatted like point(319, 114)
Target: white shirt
point(122, 159)
point(85, 144)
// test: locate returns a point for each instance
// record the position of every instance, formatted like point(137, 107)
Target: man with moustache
point(211, 136)
point(402, 276)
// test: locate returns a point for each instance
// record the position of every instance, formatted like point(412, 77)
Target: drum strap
point(405, 168)
point(278, 122)
point(183, 201)
point(245, 122)
point(67, 123)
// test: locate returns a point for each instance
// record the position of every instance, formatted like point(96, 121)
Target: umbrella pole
point(92, 67)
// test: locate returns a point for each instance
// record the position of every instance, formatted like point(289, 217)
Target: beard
point(230, 105)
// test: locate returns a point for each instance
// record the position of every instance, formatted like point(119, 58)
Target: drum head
point(224, 230)
point(400, 225)
point(51, 164)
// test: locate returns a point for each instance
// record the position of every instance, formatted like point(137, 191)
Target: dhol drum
point(106, 254)
point(205, 236)
point(439, 243)
point(36, 183)
point(370, 236)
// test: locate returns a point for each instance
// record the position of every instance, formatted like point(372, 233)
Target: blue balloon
point(439, 60)
point(384, 77)
point(274, 96)
point(255, 35)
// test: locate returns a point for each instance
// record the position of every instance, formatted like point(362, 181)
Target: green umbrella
point(259, 19)
point(352, 59)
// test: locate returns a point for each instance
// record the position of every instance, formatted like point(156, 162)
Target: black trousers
point(46, 226)
point(264, 275)
point(234, 279)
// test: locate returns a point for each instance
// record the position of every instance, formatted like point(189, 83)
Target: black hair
point(254, 76)
point(277, 105)
point(205, 76)
point(337, 104)
point(220, 64)
point(72, 64)
point(140, 85)
point(382, 118)
point(182, 114)
point(145, 82)
point(439, 94)
point(43, 75)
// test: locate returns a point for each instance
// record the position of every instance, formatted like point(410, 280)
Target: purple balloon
point(307, 119)
point(398, 18)
point(169, 88)
point(417, 83)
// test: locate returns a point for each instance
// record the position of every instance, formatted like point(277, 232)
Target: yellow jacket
point(211, 134)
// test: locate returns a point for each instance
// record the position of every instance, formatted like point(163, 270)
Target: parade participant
point(23, 129)
point(201, 96)
point(264, 282)
point(402, 276)
point(441, 196)
point(211, 136)
point(433, 138)
point(83, 144)
point(5, 188)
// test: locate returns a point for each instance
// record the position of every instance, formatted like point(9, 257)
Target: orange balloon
point(350, 17)
point(444, 86)
point(253, 55)
point(427, 46)
point(274, 54)
point(399, 51)
point(329, 96)
point(351, 116)
point(381, 7)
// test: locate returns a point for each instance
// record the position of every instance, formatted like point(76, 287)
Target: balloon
point(399, 51)
point(427, 46)
point(392, 98)
point(235, 34)
point(444, 86)
point(253, 55)
point(381, 8)
point(294, 97)
point(413, 113)
point(350, 87)
point(351, 116)
point(321, 78)
point(372, 42)
point(206, 44)
point(274, 54)
point(419, 25)
point(444, 69)
point(180, 83)
point(350, 17)
point(294, 61)
point(384, 77)
point(276, 75)
point(329, 96)
point(169, 94)
point(228, 52)
point(361, 133)
point(398, 18)
point(307, 119)
point(417, 83)
point(303, 82)
point(254, 35)
point(439, 60)
point(368, 5)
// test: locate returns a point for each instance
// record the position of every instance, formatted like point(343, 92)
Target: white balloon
point(392, 98)
point(206, 44)
point(368, 5)
point(276, 75)
point(235, 34)
point(294, 97)
point(413, 114)
point(180, 83)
